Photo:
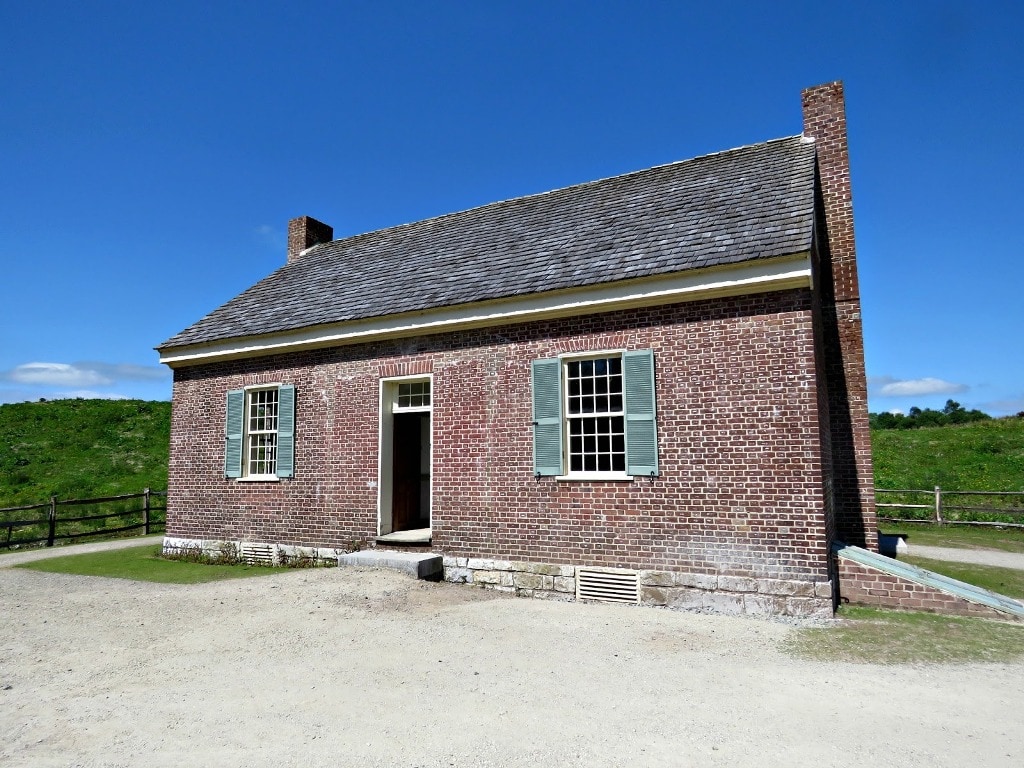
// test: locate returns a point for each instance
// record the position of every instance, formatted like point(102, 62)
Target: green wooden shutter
point(233, 427)
point(286, 431)
point(547, 417)
point(641, 435)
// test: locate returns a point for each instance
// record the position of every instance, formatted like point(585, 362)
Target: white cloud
point(57, 375)
point(887, 386)
point(271, 236)
point(126, 371)
point(84, 374)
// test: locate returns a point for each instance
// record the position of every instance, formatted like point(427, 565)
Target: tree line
point(952, 413)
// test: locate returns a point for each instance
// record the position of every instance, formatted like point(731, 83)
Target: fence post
point(52, 519)
point(145, 511)
point(938, 505)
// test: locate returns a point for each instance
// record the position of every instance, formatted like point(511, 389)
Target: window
point(595, 416)
point(413, 395)
point(259, 432)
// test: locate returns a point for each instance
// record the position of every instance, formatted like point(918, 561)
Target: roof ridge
point(535, 195)
point(747, 203)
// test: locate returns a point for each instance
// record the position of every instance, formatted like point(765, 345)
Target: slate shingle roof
point(749, 203)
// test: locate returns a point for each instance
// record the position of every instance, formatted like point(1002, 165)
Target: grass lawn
point(1005, 581)
point(143, 563)
point(879, 636)
point(959, 536)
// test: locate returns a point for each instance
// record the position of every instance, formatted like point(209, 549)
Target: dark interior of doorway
point(410, 496)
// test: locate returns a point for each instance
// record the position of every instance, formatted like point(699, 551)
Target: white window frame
point(567, 419)
point(248, 433)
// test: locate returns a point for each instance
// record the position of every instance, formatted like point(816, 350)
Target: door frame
point(388, 403)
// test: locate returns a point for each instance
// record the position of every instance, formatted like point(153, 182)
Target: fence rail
point(1003, 508)
point(144, 518)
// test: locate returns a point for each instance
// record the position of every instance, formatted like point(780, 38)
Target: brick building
point(650, 385)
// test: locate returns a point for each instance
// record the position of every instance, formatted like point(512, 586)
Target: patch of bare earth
point(343, 667)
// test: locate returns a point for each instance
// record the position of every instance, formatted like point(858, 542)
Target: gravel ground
point(370, 668)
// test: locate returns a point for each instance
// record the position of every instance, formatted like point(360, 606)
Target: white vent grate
point(258, 554)
point(609, 585)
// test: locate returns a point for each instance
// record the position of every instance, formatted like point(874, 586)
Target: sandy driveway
point(340, 667)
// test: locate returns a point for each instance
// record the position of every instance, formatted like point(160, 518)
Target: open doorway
point(405, 458)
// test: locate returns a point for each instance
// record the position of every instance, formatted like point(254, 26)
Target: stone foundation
point(557, 582)
point(716, 593)
point(280, 553)
point(710, 593)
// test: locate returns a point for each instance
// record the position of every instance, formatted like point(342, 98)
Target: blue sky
point(151, 155)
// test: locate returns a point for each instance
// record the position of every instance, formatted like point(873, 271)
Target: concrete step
point(422, 565)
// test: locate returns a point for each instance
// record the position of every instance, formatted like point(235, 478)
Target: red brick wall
point(740, 490)
point(837, 289)
point(866, 586)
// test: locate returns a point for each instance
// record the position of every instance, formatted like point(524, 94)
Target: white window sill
point(577, 477)
point(259, 479)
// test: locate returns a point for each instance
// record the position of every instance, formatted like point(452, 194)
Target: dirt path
point(994, 557)
point(341, 667)
point(8, 559)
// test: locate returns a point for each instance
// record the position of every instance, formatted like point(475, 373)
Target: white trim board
point(743, 279)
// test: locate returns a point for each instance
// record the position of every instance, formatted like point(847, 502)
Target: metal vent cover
point(608, 585)
point(259, 554)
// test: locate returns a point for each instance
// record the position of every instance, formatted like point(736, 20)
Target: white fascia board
point(747, 278)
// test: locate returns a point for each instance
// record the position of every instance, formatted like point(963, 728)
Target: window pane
point(596, 442)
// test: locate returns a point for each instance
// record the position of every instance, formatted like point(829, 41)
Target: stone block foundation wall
point(861, 585)
point(710, 593)
point(280, 554)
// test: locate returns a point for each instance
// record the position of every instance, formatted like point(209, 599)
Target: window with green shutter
point(594, 415)
point(260, 433)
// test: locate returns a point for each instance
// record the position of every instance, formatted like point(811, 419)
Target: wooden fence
point(144, 518)
point(999, 508)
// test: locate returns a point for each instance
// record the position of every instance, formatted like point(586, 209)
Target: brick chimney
point(305, 232)
point(838, 306)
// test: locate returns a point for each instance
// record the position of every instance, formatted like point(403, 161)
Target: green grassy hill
point(983, 456)
point(82, 449)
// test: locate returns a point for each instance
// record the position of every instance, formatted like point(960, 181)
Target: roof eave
point(748, 277)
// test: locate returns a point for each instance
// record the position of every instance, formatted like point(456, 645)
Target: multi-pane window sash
point(414, 394)
point(595, 416)
point(261, 432)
